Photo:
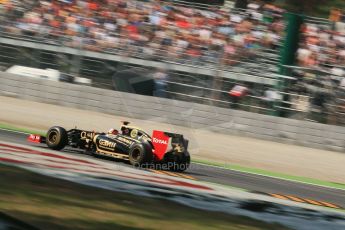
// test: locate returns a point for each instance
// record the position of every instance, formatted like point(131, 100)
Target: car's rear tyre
point(139, 156)
point(56, 138)
point(177, 162)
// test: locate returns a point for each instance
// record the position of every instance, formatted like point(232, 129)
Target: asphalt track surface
point(247, 181)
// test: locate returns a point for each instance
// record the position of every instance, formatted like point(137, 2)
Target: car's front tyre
point(56, 138)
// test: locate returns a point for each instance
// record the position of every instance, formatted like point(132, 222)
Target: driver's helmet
point(113, 131)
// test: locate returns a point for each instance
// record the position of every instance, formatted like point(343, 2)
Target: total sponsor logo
point(107, 144)
point(156, 140)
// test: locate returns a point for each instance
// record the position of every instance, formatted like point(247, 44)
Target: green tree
point(241, 4)
point(302, 6)
point(320, 8)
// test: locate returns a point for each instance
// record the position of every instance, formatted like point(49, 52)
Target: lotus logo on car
point(125, 140)
point(155, 140)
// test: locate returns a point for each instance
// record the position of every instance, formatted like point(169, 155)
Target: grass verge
point(272, 174)
point(24, 130)
point(49, 203)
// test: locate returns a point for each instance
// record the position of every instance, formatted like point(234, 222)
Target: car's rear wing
point(160, 141)
point(178, 139)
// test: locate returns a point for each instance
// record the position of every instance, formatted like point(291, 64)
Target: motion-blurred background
point(257, 56)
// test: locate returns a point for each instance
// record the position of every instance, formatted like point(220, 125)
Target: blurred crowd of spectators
point(149, 29)
point(323, 46)
point(321, 55)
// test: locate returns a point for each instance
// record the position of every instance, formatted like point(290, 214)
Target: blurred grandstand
point(203, 51)
point(149, 30)
point(321, 72)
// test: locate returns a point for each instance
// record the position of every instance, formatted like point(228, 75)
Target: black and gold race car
point(130, 143)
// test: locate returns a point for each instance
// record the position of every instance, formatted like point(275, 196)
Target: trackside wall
point(174, 112)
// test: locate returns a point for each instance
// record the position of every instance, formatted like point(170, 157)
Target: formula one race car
point(131, 143)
